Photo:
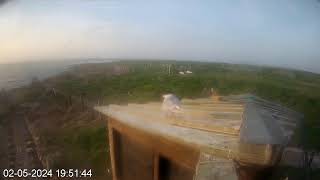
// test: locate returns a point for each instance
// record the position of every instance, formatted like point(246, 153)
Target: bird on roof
point(171, 104)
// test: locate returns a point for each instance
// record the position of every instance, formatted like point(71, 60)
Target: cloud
point(2, 2)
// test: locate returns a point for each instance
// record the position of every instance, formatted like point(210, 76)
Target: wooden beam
point(112, 151)
point(212, 107)
point(212, 111)
point(156, 166)
point(190, 108)
point(205, 127)
point(209, 118)
point(210, 102)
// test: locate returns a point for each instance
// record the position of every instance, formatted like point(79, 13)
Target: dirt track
point(18, 150)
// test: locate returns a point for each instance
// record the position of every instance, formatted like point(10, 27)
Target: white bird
point(171, 104)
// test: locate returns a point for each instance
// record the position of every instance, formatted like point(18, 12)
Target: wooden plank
point(112, 152)
point(190, 107)
point(212, 103)
point(201, 108)
point(197, 116)
point(156, 166)
point(183, 154)
point(183, 109)
point(211, 116)
point(224, 126)
point(205, 127)
point(156, 111)
point(213, 112)
point(193, 105)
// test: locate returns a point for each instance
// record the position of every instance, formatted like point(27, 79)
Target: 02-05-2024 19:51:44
point(43, 173)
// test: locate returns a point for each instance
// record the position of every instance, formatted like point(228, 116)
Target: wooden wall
point(137, 155)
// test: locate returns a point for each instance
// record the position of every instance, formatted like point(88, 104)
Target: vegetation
point(82, 148)
point(123, 82)
point(146, 81)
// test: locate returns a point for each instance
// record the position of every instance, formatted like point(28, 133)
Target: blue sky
point(282, 33)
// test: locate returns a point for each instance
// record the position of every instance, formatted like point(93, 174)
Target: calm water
point(19, 74)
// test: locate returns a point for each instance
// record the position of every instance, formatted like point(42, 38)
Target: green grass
point(81, 148)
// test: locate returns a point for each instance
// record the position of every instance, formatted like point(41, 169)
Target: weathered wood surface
point(182, 153)
point(112, 151)
point(221, 128)
point(136, 154)
point(214, 168)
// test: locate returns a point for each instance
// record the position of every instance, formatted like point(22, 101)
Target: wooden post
point(156, 166)
point(112, 151)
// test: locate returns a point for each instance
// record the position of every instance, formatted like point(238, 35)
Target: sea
point(13, 75)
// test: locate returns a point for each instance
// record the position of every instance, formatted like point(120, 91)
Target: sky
point(283, 33)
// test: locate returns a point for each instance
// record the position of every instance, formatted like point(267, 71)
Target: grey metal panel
point(260, 128)
point(263, 119)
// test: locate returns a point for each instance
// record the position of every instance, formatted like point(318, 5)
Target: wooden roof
point(213, 126)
